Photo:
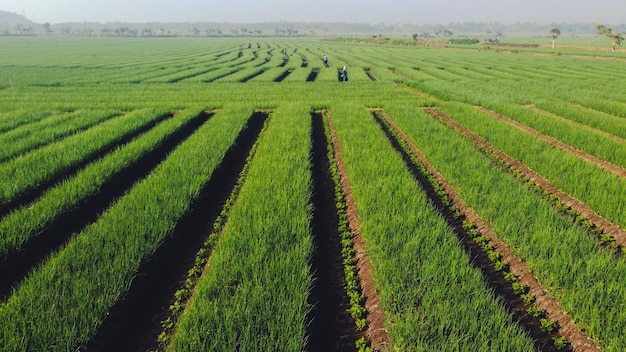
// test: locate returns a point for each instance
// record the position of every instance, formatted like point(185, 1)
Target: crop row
point(21, 140)
point(82, 197)
point(494, 258)
point(86, 286)
point(433, 297)
point(253, 294)
point(32, 172)
point(567, 172)
point(563, 257)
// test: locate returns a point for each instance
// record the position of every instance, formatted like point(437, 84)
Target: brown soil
point(619, 171)
point(376, 332)
point(578, 339)
point(371, 76)
point(331, 327)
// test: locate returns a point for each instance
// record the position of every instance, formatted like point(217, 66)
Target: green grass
point(253, 293)
point(51, 88)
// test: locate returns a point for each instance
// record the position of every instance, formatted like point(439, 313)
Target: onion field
point(187, 194)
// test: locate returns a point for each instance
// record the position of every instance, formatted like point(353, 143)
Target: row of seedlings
point(591, 141)
point(598, 188)
point(433, 297)
point(492, 256)
point(30, 170)
point(15, 118)
point(63, 301)
point(579, 274)
point(33, 135)
point(356, 265)
point(45, 221)
point(609, 234)
point(253, 293)
point(182, 295)
point(613, 125)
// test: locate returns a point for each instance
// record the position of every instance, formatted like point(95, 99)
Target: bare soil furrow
point(331, 327)
point(376, 332)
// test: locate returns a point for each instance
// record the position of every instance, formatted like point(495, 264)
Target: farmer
point(325, 60)
point(344, 74)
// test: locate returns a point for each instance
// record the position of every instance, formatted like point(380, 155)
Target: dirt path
point(617, 170)
point(376, 332)
point(579, 340)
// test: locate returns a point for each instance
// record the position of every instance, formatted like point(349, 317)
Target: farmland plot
point(192, 164)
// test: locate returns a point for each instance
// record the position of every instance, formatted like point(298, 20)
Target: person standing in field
point(344, 74)
point(325, 60)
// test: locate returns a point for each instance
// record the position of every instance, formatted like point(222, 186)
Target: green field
point(190, 194)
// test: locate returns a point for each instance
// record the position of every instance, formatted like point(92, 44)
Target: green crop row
point(610, 124)
point(27, 171)
point(253, 293)
point(182, 295)
point(597, 188)
point(27, 222)
point(433, 297)
point(470, 230)
point(582, 276)
point(588, 140)
point(85, 278)
point(54, 128)
point(13, 119)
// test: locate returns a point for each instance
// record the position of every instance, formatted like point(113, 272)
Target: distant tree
point(415, 36)
point(48, 27)
point(23, 30)
point(616, 38)
point(555, 32)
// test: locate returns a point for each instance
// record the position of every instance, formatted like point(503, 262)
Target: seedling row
point(164, 194)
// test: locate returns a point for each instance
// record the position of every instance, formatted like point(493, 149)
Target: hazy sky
point(608, 12)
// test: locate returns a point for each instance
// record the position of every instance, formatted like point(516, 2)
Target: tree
point(616, 39)
point(555, 34)
point(48, 27)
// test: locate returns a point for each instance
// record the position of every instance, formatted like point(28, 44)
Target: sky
point(609, 12)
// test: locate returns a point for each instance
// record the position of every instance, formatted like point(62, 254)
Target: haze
point(351, 11)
